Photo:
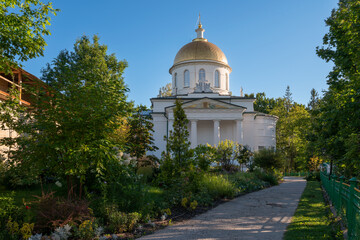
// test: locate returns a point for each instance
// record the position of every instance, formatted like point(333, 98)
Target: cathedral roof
point(200, 49)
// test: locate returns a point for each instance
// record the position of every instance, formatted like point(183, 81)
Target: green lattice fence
point(346, 200)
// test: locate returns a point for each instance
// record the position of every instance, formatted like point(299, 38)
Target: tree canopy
point(23, 25)
point(67, 131)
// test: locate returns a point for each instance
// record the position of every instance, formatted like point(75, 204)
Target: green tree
point(314, 100)
point(22, 29)
point(165, 91)
point(139, 138)
point(263, 104)
point(291, 130)
point(66, 133)
point(178, 144)
point(338, 121)
point(243, 155)
point(268, 159)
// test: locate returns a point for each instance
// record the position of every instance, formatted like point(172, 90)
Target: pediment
point(207, 103)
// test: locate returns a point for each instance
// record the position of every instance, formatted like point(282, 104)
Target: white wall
point(205, 130)
point(194, 69)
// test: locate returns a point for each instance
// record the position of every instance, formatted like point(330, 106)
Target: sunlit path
point(260, 215)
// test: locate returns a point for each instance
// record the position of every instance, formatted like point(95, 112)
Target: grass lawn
point(312, 219)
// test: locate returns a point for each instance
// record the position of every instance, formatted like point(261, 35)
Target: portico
point(200, 79)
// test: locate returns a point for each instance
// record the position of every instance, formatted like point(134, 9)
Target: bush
point(313, 176)
point(119, 221)
point(204, 155)
point(271, 178)
point(54, 212)
point(217, 186)
point(267, 159)
point(247, 182)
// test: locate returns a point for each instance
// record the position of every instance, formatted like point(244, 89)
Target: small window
point(186, 78)
point(261, 147)
point(201, 75)
point(217, 79)
point(227, 82)
point(175, 80)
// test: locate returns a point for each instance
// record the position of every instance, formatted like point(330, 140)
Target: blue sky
point(268, 43)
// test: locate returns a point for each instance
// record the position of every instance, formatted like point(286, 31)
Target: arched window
point(175, 80)
point(217, 79)
point(186, 78)
point(227, 82)
point(201, 75)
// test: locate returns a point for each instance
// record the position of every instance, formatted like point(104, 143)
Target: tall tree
point(340, 105)
point(139, 138)
point(288, 101)
point(291, 131)
point(67, 132)
point(178, 144)
point(263, 104)
point(314, 100)
point(22, 29)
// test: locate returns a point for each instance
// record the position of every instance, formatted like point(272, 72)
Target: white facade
point(201, 79)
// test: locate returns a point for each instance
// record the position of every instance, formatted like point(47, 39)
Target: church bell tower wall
point(178, 77)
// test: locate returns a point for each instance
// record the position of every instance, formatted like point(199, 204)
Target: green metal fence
point(346, 200)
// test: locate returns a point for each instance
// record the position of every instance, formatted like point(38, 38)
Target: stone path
point(260, 215)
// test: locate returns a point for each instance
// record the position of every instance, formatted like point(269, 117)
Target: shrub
point(85, 231)
point(54, 212)
point(267, 159)
point(313, 176)
point(225, 154)
point(204, 155)
point(271, 178)
point(7, 207)
point(217, 186)
point(119, 221)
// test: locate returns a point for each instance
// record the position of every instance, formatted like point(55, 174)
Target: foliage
point(139, 139)
point(312, 219)
point(243, 155)
point(226, 154)
point(204, 155)
point(263, 104)
point(268, 159)
point(218, 186)
point(176, 161)
point(23, 28)
point(271, 177)
point(336, 125)
point(314, 163)
point(120, 222)
point(85, 231)
point(291, 129)
point(66, 134)
point(165, 91)
point(178, 145)
point(8, 209)
point(52, 212)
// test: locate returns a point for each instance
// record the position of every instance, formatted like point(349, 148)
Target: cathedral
point(201, 79)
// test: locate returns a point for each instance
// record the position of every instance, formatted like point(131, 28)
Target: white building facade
point(201, 79)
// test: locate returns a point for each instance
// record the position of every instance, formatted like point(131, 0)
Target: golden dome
point(200, 49)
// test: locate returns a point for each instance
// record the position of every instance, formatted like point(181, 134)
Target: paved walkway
point(260, 215)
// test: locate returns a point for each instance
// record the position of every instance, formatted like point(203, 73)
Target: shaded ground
point(260, 215)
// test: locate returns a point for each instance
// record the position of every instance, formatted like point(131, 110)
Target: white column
point(170, 126)
point(216, 132)
point(193, 137)
point(239, 131)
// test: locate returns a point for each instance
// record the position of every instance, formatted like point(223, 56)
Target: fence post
point(339, 210)
point(350, 211)
point(333, 193)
